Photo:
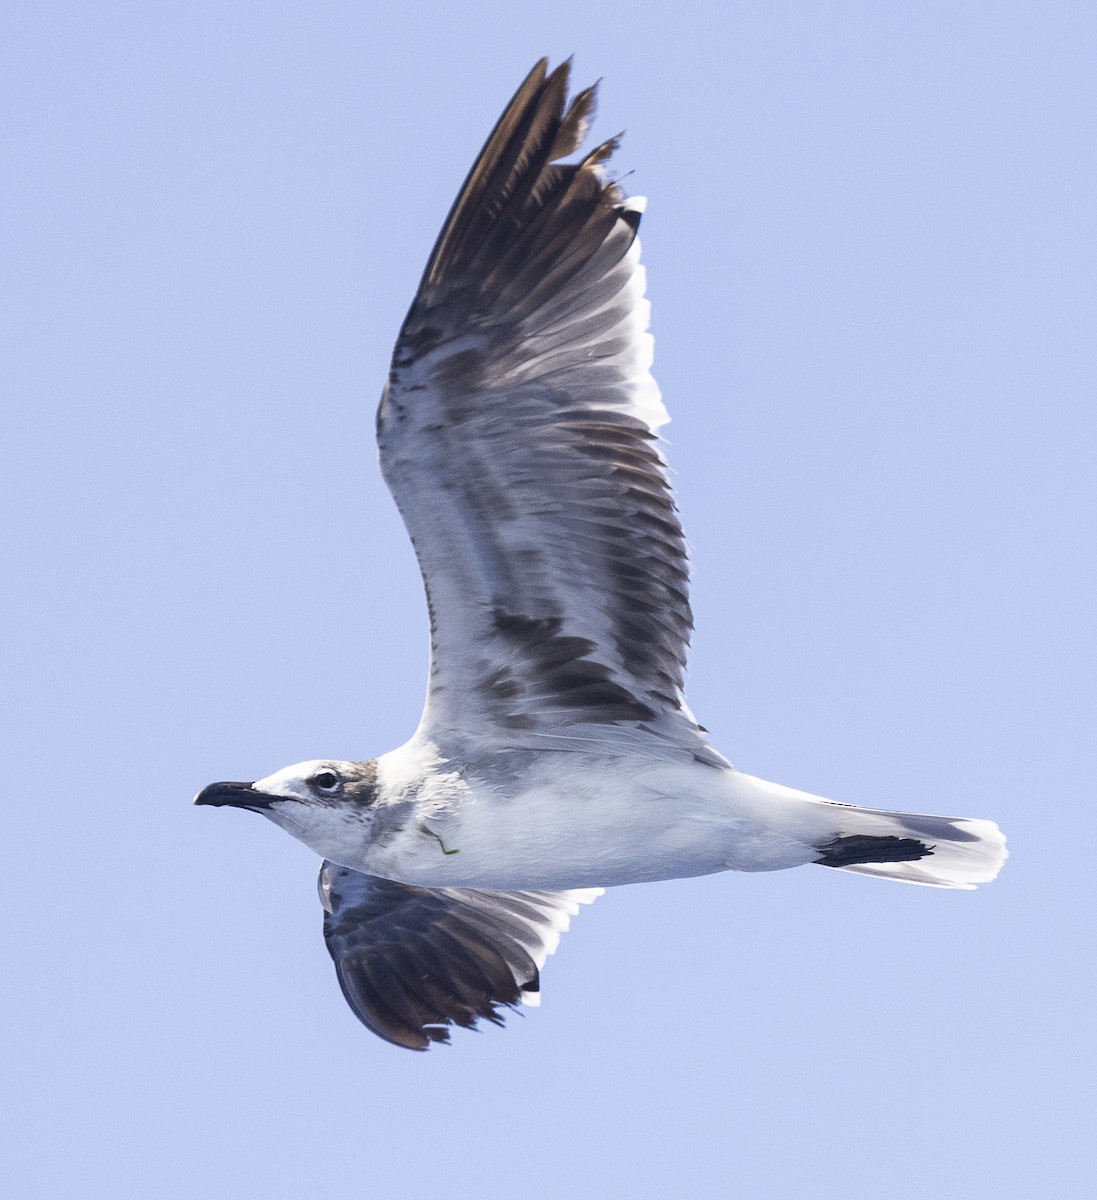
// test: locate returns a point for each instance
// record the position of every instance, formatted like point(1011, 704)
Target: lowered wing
point(413, 961)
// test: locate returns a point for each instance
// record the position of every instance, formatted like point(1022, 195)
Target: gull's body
point(556, 754)
point(555, 822)
point(558, 826)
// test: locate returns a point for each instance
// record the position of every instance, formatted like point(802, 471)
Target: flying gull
point(556, 755)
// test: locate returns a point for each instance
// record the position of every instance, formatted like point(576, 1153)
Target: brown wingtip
point(576, 123)
point(519, 198)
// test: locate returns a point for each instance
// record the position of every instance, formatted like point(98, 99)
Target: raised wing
point(412, 961)
point(518, 436)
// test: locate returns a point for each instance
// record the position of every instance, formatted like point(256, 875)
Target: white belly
point(584, 822)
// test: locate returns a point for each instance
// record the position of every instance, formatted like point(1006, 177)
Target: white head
point(329, 805)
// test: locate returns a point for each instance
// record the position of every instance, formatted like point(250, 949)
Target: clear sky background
point(871, 255)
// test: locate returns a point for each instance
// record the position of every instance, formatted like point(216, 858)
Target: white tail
point(950, 852)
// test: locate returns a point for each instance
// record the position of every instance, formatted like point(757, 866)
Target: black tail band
point(854, 849)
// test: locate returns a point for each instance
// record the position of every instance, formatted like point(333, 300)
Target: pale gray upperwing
point(413, 961)
point(518, 433)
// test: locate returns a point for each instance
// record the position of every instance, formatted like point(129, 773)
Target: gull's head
point(327, 804)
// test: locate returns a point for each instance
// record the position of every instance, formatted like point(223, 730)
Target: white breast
point(586, 821)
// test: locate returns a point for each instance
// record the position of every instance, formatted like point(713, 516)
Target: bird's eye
point(326, 781)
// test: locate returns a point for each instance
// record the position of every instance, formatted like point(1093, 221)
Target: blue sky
point(870, 244)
